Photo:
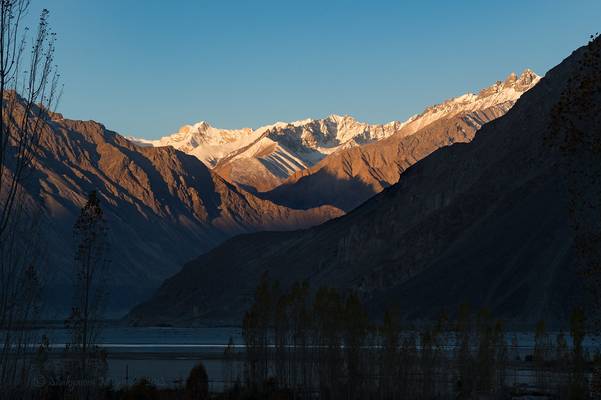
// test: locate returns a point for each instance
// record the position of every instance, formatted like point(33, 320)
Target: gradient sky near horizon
point(145, 68)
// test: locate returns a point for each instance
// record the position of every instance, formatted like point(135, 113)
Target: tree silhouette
point(541, 354)
point(329, 348)
point(28, 89)
point(197, 384)
point(91, 267)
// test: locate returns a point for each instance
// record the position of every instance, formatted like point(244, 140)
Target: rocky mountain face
point(163, 206)
point(286, 149)
point(485, 223)
point(352, 175)
point(260, 159)
point(282, 154)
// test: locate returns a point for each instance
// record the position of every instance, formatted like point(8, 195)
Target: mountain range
point(163, 206)
point(171, 200)
point(485, 223)
point(350, 176)
point(278, 156)
point(260, 159)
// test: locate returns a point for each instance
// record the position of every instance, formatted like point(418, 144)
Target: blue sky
point(144, 68)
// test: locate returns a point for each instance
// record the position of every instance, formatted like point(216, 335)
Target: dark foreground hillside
point(485, 223)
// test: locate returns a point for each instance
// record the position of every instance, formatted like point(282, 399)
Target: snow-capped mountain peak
point(282, 148)
point(501, 92)
point(207, 143)
point(322, 136)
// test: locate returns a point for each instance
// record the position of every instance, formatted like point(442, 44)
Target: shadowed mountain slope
point(163, 207)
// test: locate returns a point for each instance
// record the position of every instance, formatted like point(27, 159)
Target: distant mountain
point(260, 159)
point(352, 175)
point(283, 150)
point(485, 223)
point(206, 143)
point(163, 206)
point(283, 153)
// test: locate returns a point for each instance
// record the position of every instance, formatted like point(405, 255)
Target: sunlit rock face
point(261, 158)
point(264, 158)
point(350, 176)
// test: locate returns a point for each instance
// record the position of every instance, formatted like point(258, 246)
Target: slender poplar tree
point(90, 237)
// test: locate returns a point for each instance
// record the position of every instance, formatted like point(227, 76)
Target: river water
point(165, 355)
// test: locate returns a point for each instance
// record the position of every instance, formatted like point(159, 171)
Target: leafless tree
point(90, 238)
point(28, 90)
